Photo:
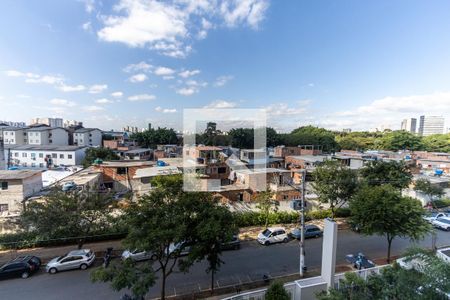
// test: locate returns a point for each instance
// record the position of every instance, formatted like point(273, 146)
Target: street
point(249, 263)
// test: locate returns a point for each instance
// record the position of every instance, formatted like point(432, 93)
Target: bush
point(441, 203)
point(276, 291)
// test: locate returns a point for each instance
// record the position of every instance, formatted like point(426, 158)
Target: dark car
point(233, 244)
point(22, 266)
point(359, 261)
point(310, 231)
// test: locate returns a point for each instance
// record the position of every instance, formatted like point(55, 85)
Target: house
point(138, 154)
point(283, 151)
point(87, 137)
point(213, 159)
point(14, 135)
point(36, 156)
point(15, 187)
point(44, 135)
point(145, 175)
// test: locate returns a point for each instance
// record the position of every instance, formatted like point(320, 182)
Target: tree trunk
point(332, 211)
point(212, 281)
point(389, 239)
point(80, 243)
point(163, 285)
point(267, 220)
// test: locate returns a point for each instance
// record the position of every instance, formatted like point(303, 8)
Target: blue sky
point(340, 64)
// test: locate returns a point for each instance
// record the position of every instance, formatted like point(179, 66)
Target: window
point(69, 156)
point(54, 155)
point(24, 164)
point(61, 156)
point(121, 171)
point(4, 185)
point(41, 165)
point(50, 141)
point(33, 155)
point(24, 154)
point(33, 165)
point(3, 207)
point(222, 170)
point(16, 154)
point(41, 155)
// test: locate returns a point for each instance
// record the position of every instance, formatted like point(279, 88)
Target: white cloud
point(89, 5)
point(169, 26)
point(103, 101)
point(165, 110)
point(187, 91)
point(168, 77)
point(221, 104)
point(97, 88)
point(87, 26)
point(117, 94)
point(141, 97)
point(188, 73)
point(62, 102)
point(282, 109)
point(48, 79)
point(141, 77)
point(222, 80)
point(93, 108)
point(140, 66)
point(71, 88)
point(164, 71)
point(196, 83)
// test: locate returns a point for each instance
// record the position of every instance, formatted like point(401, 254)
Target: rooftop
point(137, 151)
point(155, 171)
point(17, 174)
point(82, 130)
point(44, 147)
point(43, 128)
point(310, 158)
point(127, 163)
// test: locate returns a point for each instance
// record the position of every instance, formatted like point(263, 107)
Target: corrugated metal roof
point(17, 174)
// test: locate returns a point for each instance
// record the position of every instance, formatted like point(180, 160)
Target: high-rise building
point(429, 125)
point(72, 123)
point(409, 125)
point(52, 122)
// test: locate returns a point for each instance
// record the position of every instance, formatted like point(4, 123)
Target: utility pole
point(302, 225)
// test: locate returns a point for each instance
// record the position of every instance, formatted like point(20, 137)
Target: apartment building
point(52, 122)
point(409, 125)
point(15, 187)
point(14, 135)
point(87, 137)
point(44, 156)
point(47, 136)
point(429, 125)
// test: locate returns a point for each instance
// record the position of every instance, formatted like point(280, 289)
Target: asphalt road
point(249, 263)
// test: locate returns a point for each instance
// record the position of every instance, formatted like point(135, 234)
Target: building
point(72, 123)
point(37, 156)
point(409, 125)
point(13, 124)
point(47, 136)
point(52, 122)
point(87, 137)
point(2, 156)
point(429, 125)
point(14, 135)
point(15, 187)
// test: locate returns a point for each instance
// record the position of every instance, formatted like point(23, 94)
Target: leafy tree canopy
point(394, 173)
point(101, 153)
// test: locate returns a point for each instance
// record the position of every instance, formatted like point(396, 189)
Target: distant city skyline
point(301, 61)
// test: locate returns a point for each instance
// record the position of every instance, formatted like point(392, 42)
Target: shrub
point(276, 291)
point(441, 203)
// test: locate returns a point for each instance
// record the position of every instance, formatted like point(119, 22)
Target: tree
point(215, 228)
point(431, 190)
point(276, 291)
point(153, 137)
point(164, 223)
point(437, 142)
point(266, 204)
point(382, 210)
point(69, 214)
point(242, 138)
point(334, 184)
point(394, 173)
point(102, 153)
point(400, 140)
point(310, 135)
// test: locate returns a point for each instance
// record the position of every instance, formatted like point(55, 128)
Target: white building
point(52, 122)
point(409, 125)
point(431, 125)
point(87, 137)
point(42, 157)
point(14, 135)
point(15, 187)
point(47, 136)
point(68, 123)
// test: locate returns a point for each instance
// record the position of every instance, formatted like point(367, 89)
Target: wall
point(39, 162)
point(59, 137)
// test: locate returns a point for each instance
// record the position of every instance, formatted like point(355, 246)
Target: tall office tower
point(431, 125)
point(409, 125)
point(52, 122)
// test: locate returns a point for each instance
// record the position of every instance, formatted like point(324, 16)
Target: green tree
point(400, 140)
point(69, 214)
point(334, 184)
point(310, 135)
point(394, 173)
point(437, 142)
point(276, 291)
point(101, 153)
point(153, 137)
point(242, 138)
point(382, 210)
point(431, 190)
point(266, 204)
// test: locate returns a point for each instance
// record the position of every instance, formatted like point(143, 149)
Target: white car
point(76, 259)
point(435, 216)
point(442, 223)
point(137, 255)
point(273, 235)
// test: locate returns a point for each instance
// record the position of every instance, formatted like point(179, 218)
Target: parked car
point(137, 255)
point(233, 244)
point(442, 223)
point(76, 259)
point(182, 248)
point(435, 216)
point(22, 266)
point(310, 231)
point(273, 235)
point(359, 261)
point(69, 186)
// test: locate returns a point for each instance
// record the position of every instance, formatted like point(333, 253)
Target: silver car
point(137, 255)
point(76, 259)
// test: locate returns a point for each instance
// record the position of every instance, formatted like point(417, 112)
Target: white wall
point(13, 137)
point(62, 157)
